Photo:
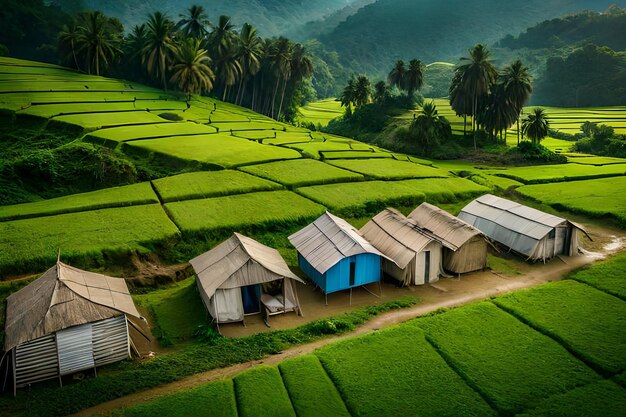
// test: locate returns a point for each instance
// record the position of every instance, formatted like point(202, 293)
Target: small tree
point(536, 125)
point(429, 129)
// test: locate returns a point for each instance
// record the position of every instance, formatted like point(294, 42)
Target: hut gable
point(396, 236)
point(237, 262)
point(452, 231)
point(64, 297)
point(328, 240)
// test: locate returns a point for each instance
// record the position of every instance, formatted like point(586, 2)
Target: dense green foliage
point(587, 322)
point(128, 195)
point(311, 391)
point(596, 198)
point(260, 391)
point(216, 399)
point(511, 365)
point(608, 276)
point(396, 372)
point(299, 173)
point(209, 184)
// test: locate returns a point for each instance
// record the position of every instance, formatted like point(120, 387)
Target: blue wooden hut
point(335, 256)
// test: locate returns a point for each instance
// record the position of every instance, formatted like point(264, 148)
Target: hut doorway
point(426, 267)
point(251, 295)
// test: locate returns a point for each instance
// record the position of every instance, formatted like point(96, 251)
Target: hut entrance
point(426, 267)
point(251, 295)
point(352, 271)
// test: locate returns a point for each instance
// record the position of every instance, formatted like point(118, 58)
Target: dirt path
point(443, 294)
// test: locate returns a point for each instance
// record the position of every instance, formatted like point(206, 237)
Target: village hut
point(66, 321)
point(414, 256)
point(466, 246)
point(231, 279)
point(335, 256)
point(525, 230)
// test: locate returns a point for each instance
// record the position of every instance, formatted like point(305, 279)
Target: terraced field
point(321, 112)
point(557, 349)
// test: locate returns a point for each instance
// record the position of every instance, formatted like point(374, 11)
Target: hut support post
point(350, 295)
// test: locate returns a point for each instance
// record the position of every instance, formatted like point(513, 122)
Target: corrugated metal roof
point(237, 262)
point(512, 224)
point(446, 227)
point(64, 297)
point(396, 236)
point(328, 240)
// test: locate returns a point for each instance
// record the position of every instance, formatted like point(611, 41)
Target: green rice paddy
point(596, 198)
point(127, 195)
point(260, 391)
point(389, 169)
point(321, 112)
point(608, 276)
point(559, 173)
point(299, 173)
point(209, 184)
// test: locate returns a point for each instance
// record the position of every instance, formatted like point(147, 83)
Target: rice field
point(559, 173)
point(260, 391)
point(299, 173)
point(595, 198)
point(218, 149)
point(608, 276)
point(207, 184)
point(588, 322)
point(363, 198)
point(511, 365)
point(390, 169)
point(263, 210)
point(321, 112)
point(128, 195)
point(33, 244)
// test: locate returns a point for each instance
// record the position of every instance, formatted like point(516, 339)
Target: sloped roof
point(328, 240)
point(64, 297)
point(512, 224)
point(237, 262)
point(396, 236)
point(446, 227)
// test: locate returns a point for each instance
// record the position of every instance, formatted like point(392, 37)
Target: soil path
point(443, 294)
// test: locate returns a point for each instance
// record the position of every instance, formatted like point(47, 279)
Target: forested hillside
point(387, 30)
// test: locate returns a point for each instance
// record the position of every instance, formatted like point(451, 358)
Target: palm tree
point(222, 37)
point(133, 46)
point(517, 83)
point(98, 41)
point(349, 93)
point(68, 38)
point(280, 62)
point(194, 23)
point(396, 77)
point(362, 91)
point(159, 47)
point(536, 125)
point(249, 55)
point(191, 70)
point(460, 101)
point(429, 129)
point(301, 68)
point(478, 75)
point(228, 68)
point(499, 113)
point(414, 76)
point(381, 92)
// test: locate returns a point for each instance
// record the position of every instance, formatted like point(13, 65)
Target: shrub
point(537, 153)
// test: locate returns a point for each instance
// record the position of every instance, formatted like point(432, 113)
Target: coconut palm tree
point(68, 38)
point(478, 75)
point(460, 101)
point(301, 68)
point(228, 68)
point(396, 77)
point(194, 23)
point(517, 83)
point(249, 56)
point(536, 125)
point(349, 93)
point(499, 113)
point(381, 92)
point(159, 46)
point(191, 70)
point(362, 91)
point(429, 128)
point(280, 63)
point(98, 41)
point(414, 76)
point(222, 37)
point(133, 46)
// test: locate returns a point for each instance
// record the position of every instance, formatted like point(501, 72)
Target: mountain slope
point(379, 33)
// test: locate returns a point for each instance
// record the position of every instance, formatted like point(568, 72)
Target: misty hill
point(433, 30)
point(271, 17)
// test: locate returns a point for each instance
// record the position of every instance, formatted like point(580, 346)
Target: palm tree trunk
point(224, 92)
point(74, 54)
point(282, 97)
point(474, 105)
point(274, 96)
point(464, 125)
